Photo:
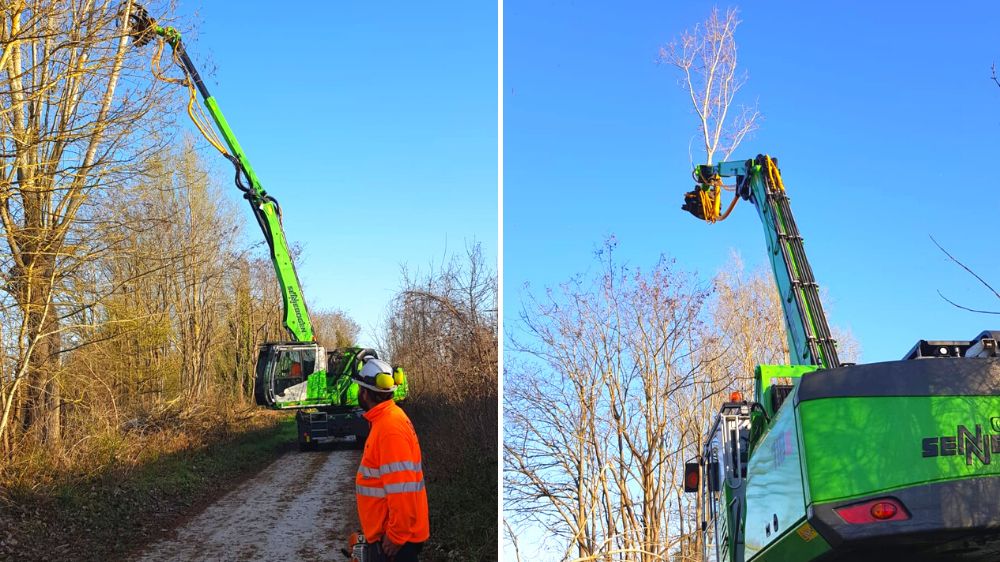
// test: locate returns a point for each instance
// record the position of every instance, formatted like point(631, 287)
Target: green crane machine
point(297, 374)
point(832, 461)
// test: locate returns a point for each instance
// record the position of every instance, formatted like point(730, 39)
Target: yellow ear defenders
point(384, 381)
point(398, 376)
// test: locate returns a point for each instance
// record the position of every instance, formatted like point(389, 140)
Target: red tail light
point(692, 477)
point(884, 511)
point(873, 511)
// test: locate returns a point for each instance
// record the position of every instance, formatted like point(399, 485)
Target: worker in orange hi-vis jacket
point(392, 502)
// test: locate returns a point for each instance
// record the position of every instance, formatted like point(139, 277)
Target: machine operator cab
point(719, 475)
point(283, 370)
point(296, 375)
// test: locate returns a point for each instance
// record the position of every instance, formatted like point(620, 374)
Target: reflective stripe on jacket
point(390, 481)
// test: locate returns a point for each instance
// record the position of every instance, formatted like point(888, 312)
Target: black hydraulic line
point(192, 71)
point(268, 237)
point(773, 209)
point(250, 196)
point(277, 207)
point(240, 173)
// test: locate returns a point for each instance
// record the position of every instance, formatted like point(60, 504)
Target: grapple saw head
point(692, 203)
point(705, 176)
point(140, 26)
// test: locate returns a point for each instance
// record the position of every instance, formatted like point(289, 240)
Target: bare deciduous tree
point(75, 101)
point(707, 56)
point(748, 320)
point(593, 446)
point(334, 328)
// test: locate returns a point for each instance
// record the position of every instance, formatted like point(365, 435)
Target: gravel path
point(301, 507)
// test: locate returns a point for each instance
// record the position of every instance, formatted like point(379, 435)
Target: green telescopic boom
point(265, 207)
point(759, 181)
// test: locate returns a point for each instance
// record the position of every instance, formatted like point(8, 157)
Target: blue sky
point(884, 120)
point(373, 125)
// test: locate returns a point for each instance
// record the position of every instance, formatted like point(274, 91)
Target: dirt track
point(301, 507)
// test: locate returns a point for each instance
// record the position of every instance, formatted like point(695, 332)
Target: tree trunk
point(40, 413)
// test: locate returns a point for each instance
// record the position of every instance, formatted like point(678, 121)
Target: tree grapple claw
point(692, 204)
point(140, 26)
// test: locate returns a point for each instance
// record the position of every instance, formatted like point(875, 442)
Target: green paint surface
point(764, 376)
point(774, 485)
point(793, 546)
point(860, 446)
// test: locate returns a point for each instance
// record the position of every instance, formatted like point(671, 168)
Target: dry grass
point(113, 491)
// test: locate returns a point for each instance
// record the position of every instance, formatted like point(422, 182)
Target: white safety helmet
point(375, 375)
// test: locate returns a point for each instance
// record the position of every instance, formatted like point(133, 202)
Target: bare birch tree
point(707, 57)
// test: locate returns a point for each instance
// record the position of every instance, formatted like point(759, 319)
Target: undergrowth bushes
point(442, 328)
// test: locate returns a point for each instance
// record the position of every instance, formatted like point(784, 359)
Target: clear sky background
point(373, 124)
point(882, 115)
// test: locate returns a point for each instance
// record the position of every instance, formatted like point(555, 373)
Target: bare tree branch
point(956, 305)
point(970, 272)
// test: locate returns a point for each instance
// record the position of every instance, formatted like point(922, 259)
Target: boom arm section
point(265, 207)
point(759, 181)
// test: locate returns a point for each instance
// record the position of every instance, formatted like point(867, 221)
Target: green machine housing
point(898, 460)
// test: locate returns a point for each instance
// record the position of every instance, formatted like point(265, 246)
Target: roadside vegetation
point(132, 487)
point(442, 327)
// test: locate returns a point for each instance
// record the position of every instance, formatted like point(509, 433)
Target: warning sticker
point(807, 532)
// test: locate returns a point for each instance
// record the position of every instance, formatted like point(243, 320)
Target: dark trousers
point(409, 552)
